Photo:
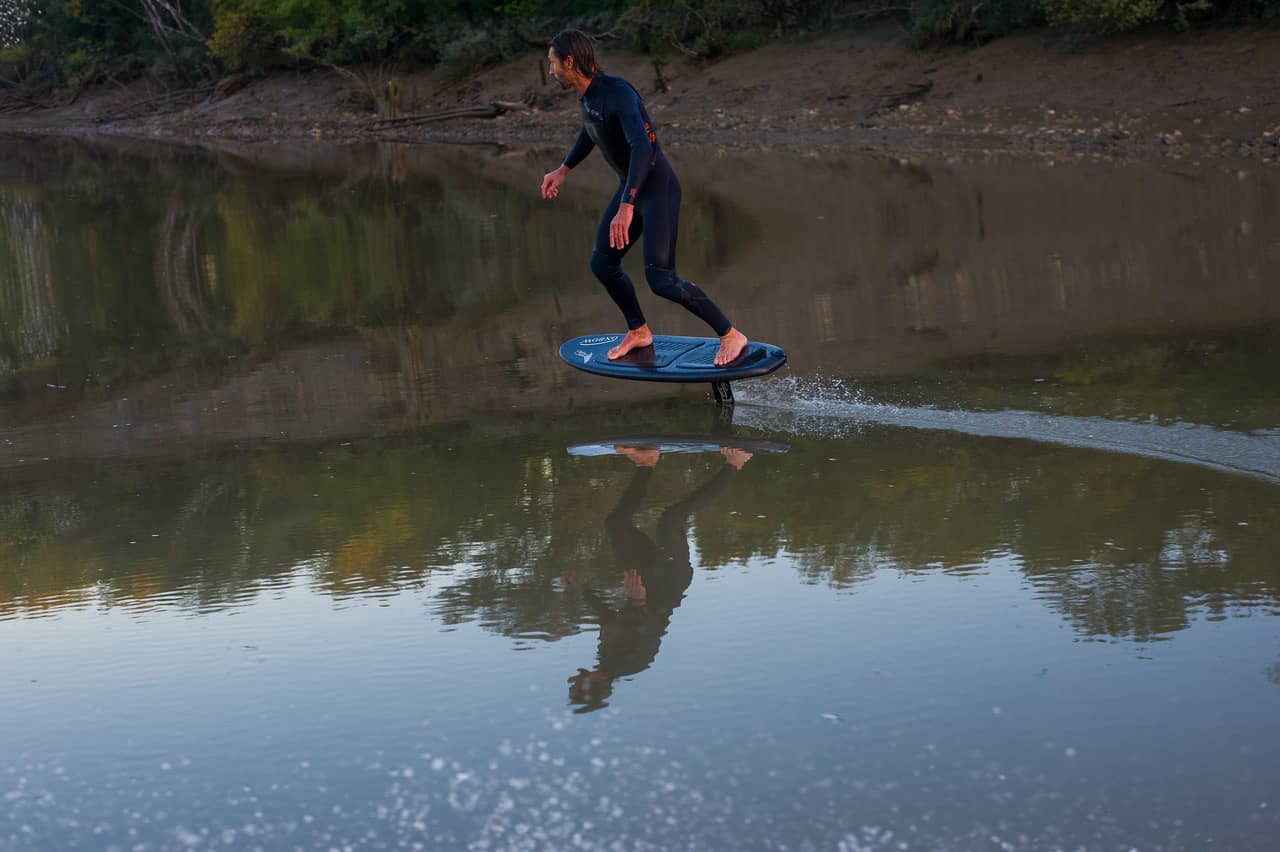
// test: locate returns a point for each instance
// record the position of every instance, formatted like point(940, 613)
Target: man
point(647, 201)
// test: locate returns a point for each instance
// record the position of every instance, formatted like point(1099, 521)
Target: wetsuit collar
point(591, 85)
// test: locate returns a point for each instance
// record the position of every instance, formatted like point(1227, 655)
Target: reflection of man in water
point(655, 576)
point(647, 201)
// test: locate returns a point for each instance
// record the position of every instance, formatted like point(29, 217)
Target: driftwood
point(228, 86)
point(491, 110)
point(156, 104)
point(12, 101)
point(913, 92)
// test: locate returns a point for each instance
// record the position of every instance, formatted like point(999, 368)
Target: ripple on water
point(831, 408)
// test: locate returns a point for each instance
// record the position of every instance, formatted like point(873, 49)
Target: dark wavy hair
point(576, 45)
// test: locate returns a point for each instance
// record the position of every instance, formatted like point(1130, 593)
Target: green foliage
point(1114, 16)
point(1104, 16)
point(78, 42)
point(242, 39)
point(971, 21)
point(14, 16)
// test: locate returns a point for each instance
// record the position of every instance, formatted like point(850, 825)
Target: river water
point(308, 539)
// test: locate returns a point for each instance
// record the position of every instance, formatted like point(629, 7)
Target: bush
point(76, 42)
point(1102, 16)
point(461, 50)
point(972, 21)
point(243, 40)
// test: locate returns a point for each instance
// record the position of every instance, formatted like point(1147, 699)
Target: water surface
point(307, 539)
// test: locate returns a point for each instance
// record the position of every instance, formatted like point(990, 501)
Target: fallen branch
point(517, 106)
point(155, 104)
point(491, 110)
point(913, 92)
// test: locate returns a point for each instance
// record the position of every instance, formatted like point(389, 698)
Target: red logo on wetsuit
point(653, 137)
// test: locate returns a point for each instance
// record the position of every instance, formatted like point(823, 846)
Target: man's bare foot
point(637, 338)
point(731, 346)
point(642, 456)
point(735, 456)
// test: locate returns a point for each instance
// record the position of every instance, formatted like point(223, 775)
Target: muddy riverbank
point(1194, 95)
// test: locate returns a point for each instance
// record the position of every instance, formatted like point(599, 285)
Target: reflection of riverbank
point(489, 517)
point(335, 293)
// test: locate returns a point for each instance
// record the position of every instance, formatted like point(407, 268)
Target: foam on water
point(830, 407)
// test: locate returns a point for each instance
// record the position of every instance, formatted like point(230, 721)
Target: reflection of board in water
point(672, 359)
point(675, 444)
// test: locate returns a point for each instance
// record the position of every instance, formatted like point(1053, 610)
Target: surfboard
point(672, 359)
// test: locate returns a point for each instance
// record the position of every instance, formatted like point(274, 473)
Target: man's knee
point(603, 266)
point(664, 282)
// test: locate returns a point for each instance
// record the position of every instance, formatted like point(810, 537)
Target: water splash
point(832, 408)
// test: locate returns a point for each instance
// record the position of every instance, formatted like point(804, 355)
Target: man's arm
point(581, 148)
point(640, 137)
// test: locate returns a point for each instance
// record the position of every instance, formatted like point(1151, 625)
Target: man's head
point(572, 58)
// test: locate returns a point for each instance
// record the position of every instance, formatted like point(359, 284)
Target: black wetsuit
point(615, 121)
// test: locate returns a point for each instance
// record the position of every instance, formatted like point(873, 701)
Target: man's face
point(559, 71)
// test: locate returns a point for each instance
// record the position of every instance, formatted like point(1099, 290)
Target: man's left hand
point(620, 227)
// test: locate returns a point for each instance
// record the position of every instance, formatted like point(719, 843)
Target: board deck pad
point(670, 359)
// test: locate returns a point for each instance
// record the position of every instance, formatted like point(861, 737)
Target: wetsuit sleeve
point(581, 148)
point(639, 136)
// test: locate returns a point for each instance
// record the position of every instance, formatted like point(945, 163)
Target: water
point(308, 540)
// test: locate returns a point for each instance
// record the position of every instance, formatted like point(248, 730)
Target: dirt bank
point(1184, 96)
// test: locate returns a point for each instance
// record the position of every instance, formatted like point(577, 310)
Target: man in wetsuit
point(647, 201)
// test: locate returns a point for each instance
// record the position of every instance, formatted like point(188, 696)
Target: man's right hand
point(551, 182)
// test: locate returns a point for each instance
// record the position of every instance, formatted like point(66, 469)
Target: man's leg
point(630, 546)
point(662, 209)
point(606, 265)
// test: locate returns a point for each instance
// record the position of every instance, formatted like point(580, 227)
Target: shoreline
point(1198, 95)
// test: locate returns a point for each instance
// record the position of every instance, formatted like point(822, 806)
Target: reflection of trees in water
point(179, 272)
point(33, 326)
point(1120, 546)
point(163, 258)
